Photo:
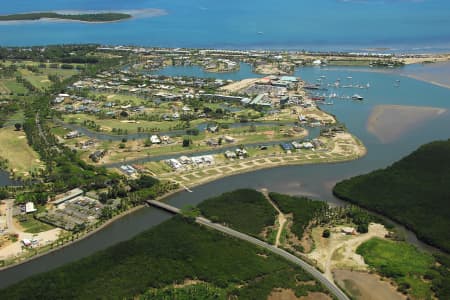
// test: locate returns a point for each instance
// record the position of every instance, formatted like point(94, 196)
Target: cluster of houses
point(238, 153)
point(221, 64)
point(306, 145)
point(193, 161)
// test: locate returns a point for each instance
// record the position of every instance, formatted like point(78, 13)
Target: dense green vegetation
point(402, 262)
point(413, 191)
point(169, 253)
point(201, 291)
point(94, 17)
point(304, 210)
point(244, 210)
point(440, 276)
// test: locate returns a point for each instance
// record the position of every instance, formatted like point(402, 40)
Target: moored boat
point(357, 97)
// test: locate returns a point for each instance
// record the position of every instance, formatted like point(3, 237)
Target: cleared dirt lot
point(362, 285)
point(287, 294)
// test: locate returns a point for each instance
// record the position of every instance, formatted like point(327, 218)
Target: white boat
point(357, 97)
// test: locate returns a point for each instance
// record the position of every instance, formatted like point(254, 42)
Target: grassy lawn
point(13, 86)
point(60, 72)
point(158, 167)
point(17, 117)
point(59, 130)
point(125, 99)
point(31, 225)
point(109, 124)
point(22, 158)
point(3, 88)
point(400, 261)
point(39, 81)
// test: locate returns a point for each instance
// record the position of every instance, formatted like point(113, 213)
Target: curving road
point(308, 268)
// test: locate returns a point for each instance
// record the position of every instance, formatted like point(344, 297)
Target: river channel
point(312, 180)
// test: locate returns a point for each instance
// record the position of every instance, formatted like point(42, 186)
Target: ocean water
point(407, 25)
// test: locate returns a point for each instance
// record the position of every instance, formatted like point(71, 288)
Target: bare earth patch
point(362, 285)
point(390, 122)
point(239, 85)
point(339, 250)
point(288, 294)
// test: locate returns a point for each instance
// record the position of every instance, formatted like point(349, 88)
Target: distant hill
point(90, 17)
point(414, 191)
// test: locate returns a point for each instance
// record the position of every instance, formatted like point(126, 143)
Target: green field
point(31, 225)
point(12, 86)
point(245, 210)
point(63, 73)
point(304, 210)
point(22, 158)
point(413, 191)
point(17, 117)
point(39, 81)
point(402, 262)
point(172, 252)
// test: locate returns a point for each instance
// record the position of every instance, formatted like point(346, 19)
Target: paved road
point(308, 268)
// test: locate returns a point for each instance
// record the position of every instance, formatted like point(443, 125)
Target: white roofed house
point(185, 160)
point(155, 139)
point(174, 163)
point(230, 154)
point(29, 207)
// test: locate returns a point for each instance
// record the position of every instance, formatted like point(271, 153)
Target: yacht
point(357, 97)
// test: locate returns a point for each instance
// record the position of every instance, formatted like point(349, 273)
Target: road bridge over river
point(231, 232)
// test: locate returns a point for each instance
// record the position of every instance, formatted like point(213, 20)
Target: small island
point(82, 17)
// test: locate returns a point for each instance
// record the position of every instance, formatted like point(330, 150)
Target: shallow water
point(409, 25)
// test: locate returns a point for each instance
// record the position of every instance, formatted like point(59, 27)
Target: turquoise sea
point(406, 25)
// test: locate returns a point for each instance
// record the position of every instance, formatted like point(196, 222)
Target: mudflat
point(390, 122)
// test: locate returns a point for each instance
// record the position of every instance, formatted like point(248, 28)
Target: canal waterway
point(312, 180)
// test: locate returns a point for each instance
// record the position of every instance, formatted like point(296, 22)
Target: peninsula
point(82, 17)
